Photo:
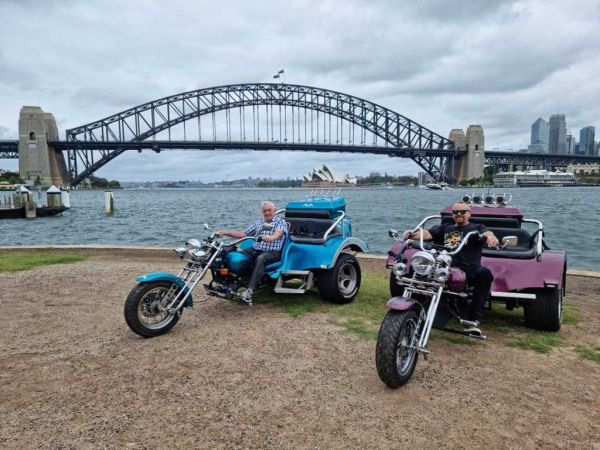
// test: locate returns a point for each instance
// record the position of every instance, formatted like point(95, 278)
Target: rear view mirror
point(394, 234)
point(509, 241)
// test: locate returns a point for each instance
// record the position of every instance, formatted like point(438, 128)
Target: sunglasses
point(462, 212)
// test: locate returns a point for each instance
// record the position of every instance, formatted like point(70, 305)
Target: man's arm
point(273, 237)
point(417, 235)
point(232, 233)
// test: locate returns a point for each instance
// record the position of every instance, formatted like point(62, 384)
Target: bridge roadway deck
point(9, 149)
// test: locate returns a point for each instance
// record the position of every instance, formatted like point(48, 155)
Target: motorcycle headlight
point(399, 269)
point(441, 274)
point(422, 263)
point(181, 251)
point(445, 258)
point(193, 244)
point(198, 254)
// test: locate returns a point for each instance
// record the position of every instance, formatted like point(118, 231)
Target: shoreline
point(164, 251)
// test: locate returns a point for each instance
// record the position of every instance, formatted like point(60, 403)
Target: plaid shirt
point(256, 230)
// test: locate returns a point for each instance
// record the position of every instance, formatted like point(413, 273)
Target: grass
point(538, 341)
point(364, 315)
point(588, 352)
point(15, 261)
point(570, 316)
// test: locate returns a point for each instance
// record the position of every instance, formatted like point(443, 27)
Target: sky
point(442, 63)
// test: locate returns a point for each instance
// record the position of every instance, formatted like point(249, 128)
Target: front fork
point(191, 278)
point(428, 317)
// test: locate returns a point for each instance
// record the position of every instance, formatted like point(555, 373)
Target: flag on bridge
point(280, 72)
point(276, 76)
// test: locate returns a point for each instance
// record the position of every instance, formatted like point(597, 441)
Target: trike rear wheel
point(341, 283)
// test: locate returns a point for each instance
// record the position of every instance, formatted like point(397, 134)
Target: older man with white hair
point(265, 252)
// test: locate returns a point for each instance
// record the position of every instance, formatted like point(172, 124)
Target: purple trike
point(427, 291)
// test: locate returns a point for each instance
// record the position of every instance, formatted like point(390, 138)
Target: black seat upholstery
point(308, 230)
point(525, 248)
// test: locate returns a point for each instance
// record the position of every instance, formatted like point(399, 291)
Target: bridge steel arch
point(147, 120)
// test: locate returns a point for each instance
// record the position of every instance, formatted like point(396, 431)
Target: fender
point(164, 276)
point(354, 244)
point(402, 304)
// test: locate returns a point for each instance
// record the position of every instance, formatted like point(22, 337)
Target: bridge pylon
point(472, 164)
point(38, 162)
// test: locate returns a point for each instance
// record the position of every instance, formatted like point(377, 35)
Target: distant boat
point(387, 185)
point(438, 186)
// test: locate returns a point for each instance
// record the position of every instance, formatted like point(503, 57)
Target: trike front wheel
point(396, 352)
point(146, 308)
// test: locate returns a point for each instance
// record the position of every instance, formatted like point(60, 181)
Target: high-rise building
point(539, 135)
point(571, 143)
point(557, 142)
point(586, 141)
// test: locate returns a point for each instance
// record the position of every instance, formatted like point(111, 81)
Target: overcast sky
point(442, 63)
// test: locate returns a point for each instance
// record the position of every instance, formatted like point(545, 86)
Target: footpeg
point(424, 352)
point(306, 276)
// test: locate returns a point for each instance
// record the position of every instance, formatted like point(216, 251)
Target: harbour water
point(166, 217)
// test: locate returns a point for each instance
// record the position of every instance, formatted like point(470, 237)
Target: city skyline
point(445, 68)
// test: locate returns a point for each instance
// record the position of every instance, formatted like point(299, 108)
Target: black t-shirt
point(450, 234)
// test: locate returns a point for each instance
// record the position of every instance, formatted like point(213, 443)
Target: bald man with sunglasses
point(468, 259)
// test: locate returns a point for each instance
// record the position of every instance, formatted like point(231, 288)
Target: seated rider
point(468, 259)
point(265, 252)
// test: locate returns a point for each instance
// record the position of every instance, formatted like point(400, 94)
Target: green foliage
point(11, 177)
point(591, 353)
point(102, 183)
point(279, 183)
point(15, 261)
point(589, 179)
point(379, 179)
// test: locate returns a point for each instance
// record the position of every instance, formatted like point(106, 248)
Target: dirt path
point(72, 375)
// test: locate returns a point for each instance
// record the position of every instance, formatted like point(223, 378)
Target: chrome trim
point(513, 295)
point(429, 319)
point(540, 237)
point(332, 227)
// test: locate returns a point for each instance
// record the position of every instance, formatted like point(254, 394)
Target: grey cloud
point(453, 11)
point(443, 64)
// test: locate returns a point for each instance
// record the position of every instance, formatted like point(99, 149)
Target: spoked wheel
point(340, 284)
point(396, 353)
point(146, 308)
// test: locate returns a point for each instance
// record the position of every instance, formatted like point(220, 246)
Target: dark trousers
point(260, 259)
point(481, 279)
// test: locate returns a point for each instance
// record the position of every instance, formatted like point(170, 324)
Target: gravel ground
point(72, 375)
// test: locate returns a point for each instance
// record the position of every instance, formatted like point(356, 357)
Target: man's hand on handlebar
point(491, 240)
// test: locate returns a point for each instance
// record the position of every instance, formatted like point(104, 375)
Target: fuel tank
point(237, 262)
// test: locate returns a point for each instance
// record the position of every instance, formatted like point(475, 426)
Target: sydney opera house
point(325, 177)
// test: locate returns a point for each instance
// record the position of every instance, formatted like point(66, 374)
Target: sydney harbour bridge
point(263, 116)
